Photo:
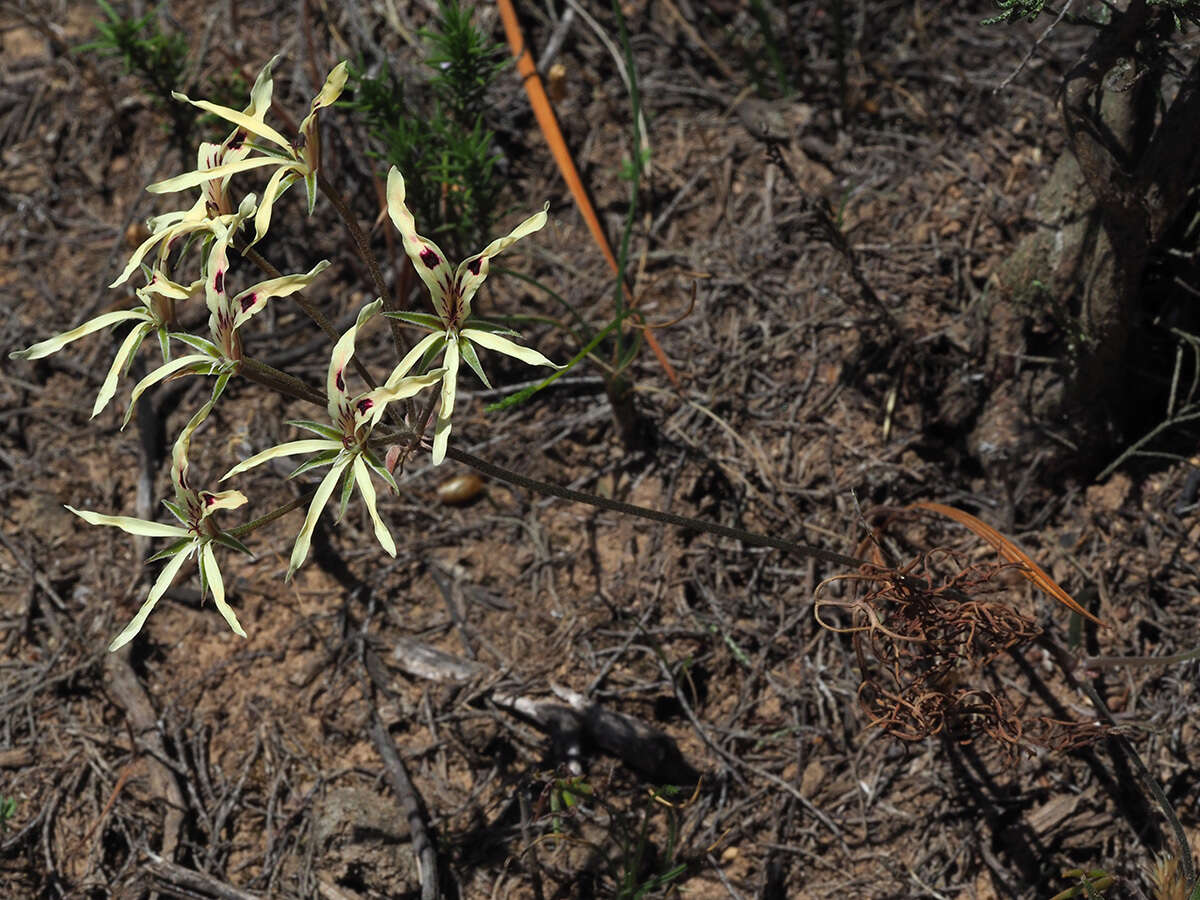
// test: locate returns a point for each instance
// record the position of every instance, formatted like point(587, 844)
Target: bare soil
point(638, 710)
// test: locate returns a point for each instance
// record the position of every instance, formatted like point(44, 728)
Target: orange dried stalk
point(546, 120)
point(1011, 552)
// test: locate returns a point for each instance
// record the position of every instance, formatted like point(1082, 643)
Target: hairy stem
point(642, 512)
point(243, 530)
point(311, 311)
point(364, 251)
point(282, 382)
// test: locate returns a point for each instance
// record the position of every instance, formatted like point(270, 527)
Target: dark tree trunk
point(1108, 205)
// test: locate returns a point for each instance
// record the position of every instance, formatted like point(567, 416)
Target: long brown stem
point(270, 377)
point(243, 530)
point(654, 515)
point(280, 381)
point(311, 311)
point(364, 251)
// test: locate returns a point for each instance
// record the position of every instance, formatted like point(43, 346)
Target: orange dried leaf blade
point(1011, 552)
point(548, 122)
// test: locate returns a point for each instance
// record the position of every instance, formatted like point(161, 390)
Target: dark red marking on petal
point(219, 281)
point(473, 265)
point(238, 140)
point(365, 405)
point(340, 381)
point(248, 301)
point(430, 258)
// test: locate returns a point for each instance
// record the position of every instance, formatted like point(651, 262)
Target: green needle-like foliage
point(443, 140)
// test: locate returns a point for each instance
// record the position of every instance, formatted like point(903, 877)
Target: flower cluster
point(195, 535)
point(343, 445)
point(346, 444)
point(453, 329)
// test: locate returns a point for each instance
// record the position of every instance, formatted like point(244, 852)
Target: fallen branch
point(573, 727)
point(402, 786)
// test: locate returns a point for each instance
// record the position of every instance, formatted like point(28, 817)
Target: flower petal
point(441, 432)
point(377, 400)
point(213, 573)
point(280, 181)
point(56, 343)
point(162, 286)
point(304, 538)
point(174, 367)
point(253, 299)
point(363, 478)
point(291, 448)
point(199, 176)
point(179, 457)
point(130, 525)
point(165, 577)
point(260, 94)
point(410, 358)
point(472, 271)
point(508, 348)
point(427, 258)
point(125, 352)
point(148, 244)
point(251, 123)
point(335, 83)
point(214, 500)
point(343, 351)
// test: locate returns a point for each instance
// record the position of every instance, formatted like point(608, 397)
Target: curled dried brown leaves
point(926, 635)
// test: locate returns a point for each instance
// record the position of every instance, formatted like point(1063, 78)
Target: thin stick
point(405, 791)
point(1033, 49)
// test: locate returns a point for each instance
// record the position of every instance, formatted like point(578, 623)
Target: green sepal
point(164, 344)
point(325, 431)
point(420, 320)
point(203, 576)
point(178, 547)
point(321, 459)
point(228, 540)
point(467, 352)
point(137, 343)
point(177, 511)
point(491, 327)
point(434, 349)
point(380, 469)
point(204, 345)
point(310, 185)
point(269, 150)
point(219, 387)
point(203, 236)
point(347, 491)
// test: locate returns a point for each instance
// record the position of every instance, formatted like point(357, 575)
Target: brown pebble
point(460, 489)
point(135, 234)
